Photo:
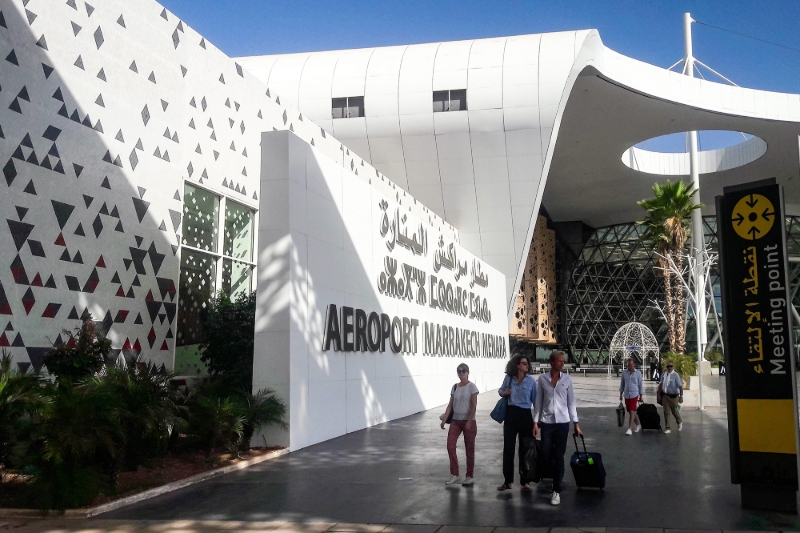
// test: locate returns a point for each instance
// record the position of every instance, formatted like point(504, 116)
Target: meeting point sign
point(759, 355)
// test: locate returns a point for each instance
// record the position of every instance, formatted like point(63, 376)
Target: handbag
point(620, 414)
point(498, 414)
point(450, 417)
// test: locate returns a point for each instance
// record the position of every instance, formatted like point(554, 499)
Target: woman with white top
point(463, 402)
point(520, 389)
point(555, 408)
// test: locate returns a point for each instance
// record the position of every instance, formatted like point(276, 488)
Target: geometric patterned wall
point(106, 108)
point(534, 310)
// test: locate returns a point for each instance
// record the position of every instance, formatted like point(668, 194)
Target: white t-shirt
point(461, 398)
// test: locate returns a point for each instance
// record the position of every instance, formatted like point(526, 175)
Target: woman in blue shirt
point(520, 389)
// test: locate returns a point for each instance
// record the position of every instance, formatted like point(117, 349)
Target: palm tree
point(668, 214)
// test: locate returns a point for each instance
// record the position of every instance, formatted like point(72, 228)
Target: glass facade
point(197, 288)
point(200, 218)
point(210, 264)
point(613, 282)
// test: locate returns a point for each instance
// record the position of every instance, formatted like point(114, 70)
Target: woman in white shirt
point(463, 402)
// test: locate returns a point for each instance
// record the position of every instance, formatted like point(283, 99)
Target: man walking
point(670, 391)
point(631, 388)
point(555, 408)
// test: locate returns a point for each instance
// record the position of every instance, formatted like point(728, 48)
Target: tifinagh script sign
point(759, 358)
point(441, 287)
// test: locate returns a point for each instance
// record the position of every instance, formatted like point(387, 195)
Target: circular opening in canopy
point(718, 150)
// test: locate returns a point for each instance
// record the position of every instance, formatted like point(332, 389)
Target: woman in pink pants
point(463, 402)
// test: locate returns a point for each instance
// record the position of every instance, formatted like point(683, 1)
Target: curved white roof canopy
point(560, 106)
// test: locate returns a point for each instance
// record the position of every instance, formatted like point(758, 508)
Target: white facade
point(329, 236)
point(541, 122)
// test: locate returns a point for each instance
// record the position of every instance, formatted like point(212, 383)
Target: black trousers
point(518, 421)
point(554, 446)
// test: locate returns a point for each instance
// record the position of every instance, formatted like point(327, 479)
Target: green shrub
point(20, 401)
point(229, 327)
point(150, 407)
point(75, 443)
point(685, 364)
point(83, 354)
point(714, 356)
point(215, 420)
point(259, 410)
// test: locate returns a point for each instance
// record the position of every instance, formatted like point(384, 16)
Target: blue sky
point(648, 30)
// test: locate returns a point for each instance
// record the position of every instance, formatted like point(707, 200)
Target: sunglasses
point(462, 371)
point(523, 363)
point(668, 366)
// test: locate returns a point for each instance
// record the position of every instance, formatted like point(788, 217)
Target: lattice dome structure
point(613, 282)
point(633, 340)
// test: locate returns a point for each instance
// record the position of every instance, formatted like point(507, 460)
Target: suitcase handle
point(576, 445)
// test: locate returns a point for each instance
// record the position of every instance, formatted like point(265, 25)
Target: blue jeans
point(554, 446)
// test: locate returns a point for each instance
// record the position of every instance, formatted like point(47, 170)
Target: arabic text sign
point(758, 336)
point(405, 275)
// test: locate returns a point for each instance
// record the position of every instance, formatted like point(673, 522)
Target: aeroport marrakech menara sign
point(759, 354)
point(437, 280)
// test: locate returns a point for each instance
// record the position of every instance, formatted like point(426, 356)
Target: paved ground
point(213, 526)
point(654, 481)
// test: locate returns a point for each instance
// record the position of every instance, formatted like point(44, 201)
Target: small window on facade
point(440, 101)
point(458, 100)
point(453, 100)
point(349, 107)
point(339, 108)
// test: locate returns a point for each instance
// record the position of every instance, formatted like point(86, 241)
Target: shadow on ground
point(678, 481)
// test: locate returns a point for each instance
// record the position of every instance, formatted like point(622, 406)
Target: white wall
point(320, 243)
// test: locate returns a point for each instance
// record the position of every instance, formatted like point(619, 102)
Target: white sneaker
point(468, 481)
point(667, 431)
point(555, 498)
point(680, 426)
point(629, 432)
point(453, 480)
point(638, 428)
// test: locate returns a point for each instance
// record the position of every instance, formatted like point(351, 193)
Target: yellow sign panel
point(767, 426)
point(753, 217)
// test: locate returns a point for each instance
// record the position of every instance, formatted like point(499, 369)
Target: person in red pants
point(463, 402)
point(631, 389)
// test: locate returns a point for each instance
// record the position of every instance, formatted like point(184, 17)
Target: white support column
point(698, 239)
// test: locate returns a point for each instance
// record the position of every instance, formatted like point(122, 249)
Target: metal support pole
point(698, 239)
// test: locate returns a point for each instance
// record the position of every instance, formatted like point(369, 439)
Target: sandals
point(526, 486)
point(504, 486)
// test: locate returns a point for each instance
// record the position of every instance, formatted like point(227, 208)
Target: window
point(210, 264)
point(453, 100)
point(349, 107)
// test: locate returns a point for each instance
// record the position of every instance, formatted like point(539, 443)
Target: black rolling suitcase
point(587, 468)
point(648, 416)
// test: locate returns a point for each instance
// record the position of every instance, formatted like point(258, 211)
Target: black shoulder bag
point(450, 416)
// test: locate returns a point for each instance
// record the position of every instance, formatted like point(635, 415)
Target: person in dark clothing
point(555, 409)
point(520, 389)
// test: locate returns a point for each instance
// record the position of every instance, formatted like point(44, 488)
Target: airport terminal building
point(397, 209)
